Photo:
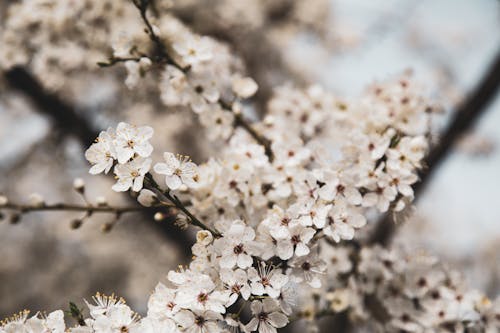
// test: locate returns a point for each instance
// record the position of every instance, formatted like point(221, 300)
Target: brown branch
point(27, 208)
point(462, 121)
point(65, 117)
point(69, 121)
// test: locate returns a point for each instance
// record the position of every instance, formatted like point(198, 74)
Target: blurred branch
point(68, 121)
point(73, 207)
point(463, 119)
point(64, 116)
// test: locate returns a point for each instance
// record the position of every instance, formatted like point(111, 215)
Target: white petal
point(173, 182)
point(301, 249)
point(278, 319)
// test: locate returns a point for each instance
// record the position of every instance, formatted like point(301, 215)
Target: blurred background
point(48, 117)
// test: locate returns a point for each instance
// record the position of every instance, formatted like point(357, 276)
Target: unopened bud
point(106, 227)
point(147, 198)
point(36, 200)
point(145, 63)
point(101, 201)
point(15, 218)
point(159, 216)
point(79, 185)
point(244, 87)
point(75, 224)
point(3, 200)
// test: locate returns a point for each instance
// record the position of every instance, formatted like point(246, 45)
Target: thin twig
point(69, 121)
point(150, 183)
point(27, 208)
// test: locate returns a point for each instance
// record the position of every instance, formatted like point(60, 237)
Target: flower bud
point(15, 218)
point(36, 200)
point(147, 198)
point(79, 185)
point(3, 200)
point(75, 224)
point(244, 87)
point(106, 227)
point(101, 201)
point(159, 216)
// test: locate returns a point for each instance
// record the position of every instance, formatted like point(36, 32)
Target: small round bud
point(3, 200)
point(76, 224)
point(106, 227)
point(15, 218)
point(147, 198)
point(101, 201)
point(145, 63)
point(237, 108)
point(204, 237)
point(244, 87)
point(269, 120)
point(36, 200)
point(79, 185)
point(159, 216)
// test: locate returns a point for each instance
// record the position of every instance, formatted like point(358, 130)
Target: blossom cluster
point(129, 147)
point(279, 206)
point(265, 218)
point(402, 292)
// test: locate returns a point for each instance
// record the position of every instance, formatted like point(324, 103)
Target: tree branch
point(68, 121)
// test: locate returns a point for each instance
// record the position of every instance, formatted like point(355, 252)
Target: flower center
point(236, 288)
point(238, 249)
point(262, 316)
point(265, 281)
point(306, 266)
point(203, 297)
point(199, 320)
point(295, 239)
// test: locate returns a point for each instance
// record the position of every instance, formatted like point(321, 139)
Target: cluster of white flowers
point(265, 219)
point(22, 323)
point(277, 203)
point(404, 293)
point(129, 146)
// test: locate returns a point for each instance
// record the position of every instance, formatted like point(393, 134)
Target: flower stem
point(150, 182)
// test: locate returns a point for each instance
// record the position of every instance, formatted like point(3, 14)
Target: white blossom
point(267, 317)
point(178, 170)
point(131, 174)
